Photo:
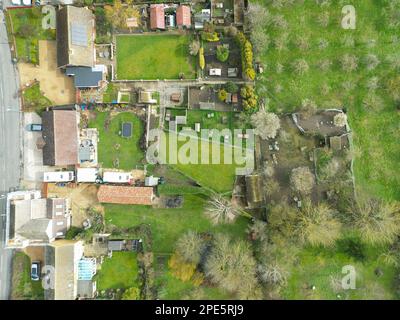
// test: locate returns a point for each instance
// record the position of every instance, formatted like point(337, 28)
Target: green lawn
point(22, 285)
point(27, 47)
point(154, 57)
point(167, 225)
point(375, 125)
point(34, 99)
point(128, 152)
point(120, 271)
point(317, 267)
point(111, 94)
point(218, 177)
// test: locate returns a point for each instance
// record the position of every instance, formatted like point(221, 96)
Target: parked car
point(35, 271)
point(35, 127)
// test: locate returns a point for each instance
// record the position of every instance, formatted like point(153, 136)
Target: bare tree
point(190, 246)
point(324, 64)
point(302, 180)
point(378, 222)
point(221, 210)
point(280, 42)
point(340, 119)
point(266, 124)
point(393, 87)
point(271, 187)
point(323, 43)
point(372, 83)
point(257, 16)
point(316, 225)
point(302, 42)
point(394, 61)
point(371, 61)
point(325, 88)
point(373, 102)
point(279, 68)
point(272, 273)
point(279, 22)
point(308, 108)
point(194, 47)
point(323, 19)
point(257, 230)
point(348, 41)
point(232, 266)
point(349, 62)
point(260, 41)
point(300, 66)
point(348, 85)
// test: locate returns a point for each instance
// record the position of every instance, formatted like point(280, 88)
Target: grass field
point(364, 92)
point(22, 285)
point(154, 57)
point(217, 177)
point(168, 224)
point(128, 152)
point(120, 271)
point(323, 267)
point(28, 47)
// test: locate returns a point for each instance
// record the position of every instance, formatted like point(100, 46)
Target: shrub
point(247, 55)
point(209, 36)
point(222, 94)
point(194, 47)
point(231, 87)
point(249, 98)
point(202, 60)
point(181, 269)
point(222, 53)
point(302, 180)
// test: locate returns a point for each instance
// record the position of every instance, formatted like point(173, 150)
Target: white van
point(58, 176)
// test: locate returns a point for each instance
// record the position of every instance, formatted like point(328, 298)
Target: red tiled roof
point(125, 195)
point(157, 16)
point(183, 16)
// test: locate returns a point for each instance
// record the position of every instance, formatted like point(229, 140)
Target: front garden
point(27, 26)
point(34, 100)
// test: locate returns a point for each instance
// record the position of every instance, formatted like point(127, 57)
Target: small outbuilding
point(157, 17)
point(183, 16)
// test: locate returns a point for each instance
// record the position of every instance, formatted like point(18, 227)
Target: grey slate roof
point(84, 77)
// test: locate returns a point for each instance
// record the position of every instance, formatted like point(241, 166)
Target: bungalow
point(60, 135)
point(183, 16)
point(126, 195)
point(87, 77)
point(64, 257)
point(157, 17)
point(75, 37)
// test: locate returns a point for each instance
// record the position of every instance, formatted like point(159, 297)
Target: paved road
point(9, 147)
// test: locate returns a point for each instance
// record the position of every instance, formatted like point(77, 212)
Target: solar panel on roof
point(79, 35)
